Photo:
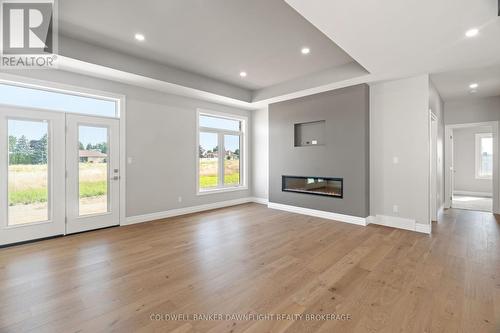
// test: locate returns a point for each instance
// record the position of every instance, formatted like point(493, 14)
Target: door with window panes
point(92, 187)
point(59, 161)
point(32, 169)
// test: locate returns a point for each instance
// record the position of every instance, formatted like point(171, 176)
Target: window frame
point(243, 133)
point(478, 156)
point(63, 89)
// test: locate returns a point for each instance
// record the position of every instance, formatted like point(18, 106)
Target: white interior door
point(32, 184)
point(92, 164)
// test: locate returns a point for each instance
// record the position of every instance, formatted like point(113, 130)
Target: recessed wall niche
point(310, 133)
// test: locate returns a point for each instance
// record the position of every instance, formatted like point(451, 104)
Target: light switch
point(129, 160)
point(395, 160)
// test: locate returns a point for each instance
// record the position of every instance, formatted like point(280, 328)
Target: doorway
point(61, 172)
point(472, 166)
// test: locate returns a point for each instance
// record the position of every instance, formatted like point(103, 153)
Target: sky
point(55, 101)
point(35, 130)
point(487, 146)
point(222, 123)
point(209, 140)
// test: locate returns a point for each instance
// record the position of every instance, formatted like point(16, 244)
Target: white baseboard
point(319, 213)
point(399, 223)
point(184, 211)
point(440, 210)
point(423, 228)
point(389, 221)
point(262, 201)
point(394, 222)
point(473, 194)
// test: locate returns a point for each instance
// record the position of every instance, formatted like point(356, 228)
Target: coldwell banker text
point(29, 36)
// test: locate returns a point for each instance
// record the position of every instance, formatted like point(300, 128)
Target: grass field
point(208, 172)
point(28, 183)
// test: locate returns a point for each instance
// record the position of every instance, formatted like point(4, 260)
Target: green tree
point(38, 150)
point(102, 147)
point(12, 143)
point(22, 151)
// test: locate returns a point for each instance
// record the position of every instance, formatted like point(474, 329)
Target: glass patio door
point(32, 167)
point(92, 162)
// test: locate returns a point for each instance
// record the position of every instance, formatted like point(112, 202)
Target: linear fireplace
point(330, 187)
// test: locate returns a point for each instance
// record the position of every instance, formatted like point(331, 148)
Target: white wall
point(399, 128)
point(161, 139)
point(260, 153)
point(464, 162)
point(473, 110)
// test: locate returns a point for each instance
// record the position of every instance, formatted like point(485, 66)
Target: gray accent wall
point(345, 153)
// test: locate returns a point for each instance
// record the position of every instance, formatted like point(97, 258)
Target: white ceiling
point(216, 38)
point(386, 40)
point(455, 84)
point(397, 38)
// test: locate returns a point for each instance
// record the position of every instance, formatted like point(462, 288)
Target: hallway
point(472, 203)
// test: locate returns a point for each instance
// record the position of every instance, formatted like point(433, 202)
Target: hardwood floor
point(252, 260)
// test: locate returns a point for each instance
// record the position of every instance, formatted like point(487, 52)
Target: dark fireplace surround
point(324, 186)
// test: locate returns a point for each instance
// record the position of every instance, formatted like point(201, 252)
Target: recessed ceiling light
point(243, 74)
point(473, 85)
point(305, 50)
point(140, 37)
point(472, 32)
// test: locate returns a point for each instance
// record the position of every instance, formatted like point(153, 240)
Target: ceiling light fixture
point(473, 85)
point(472, 32)
point(139, 37)
point(243, 74)
point(305, 50)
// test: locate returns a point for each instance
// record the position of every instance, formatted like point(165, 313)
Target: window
point(221, 152)
point(484, 155)
point(57, 101)
point(28, 171)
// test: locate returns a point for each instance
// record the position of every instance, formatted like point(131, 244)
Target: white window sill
point(222, 190)
point(484, 178)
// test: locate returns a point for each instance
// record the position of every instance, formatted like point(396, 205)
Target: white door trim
point(449, 161)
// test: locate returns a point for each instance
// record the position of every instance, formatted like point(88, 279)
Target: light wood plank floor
point(249, 259)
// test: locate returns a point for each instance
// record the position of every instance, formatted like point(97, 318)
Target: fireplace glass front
point(332, 187)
